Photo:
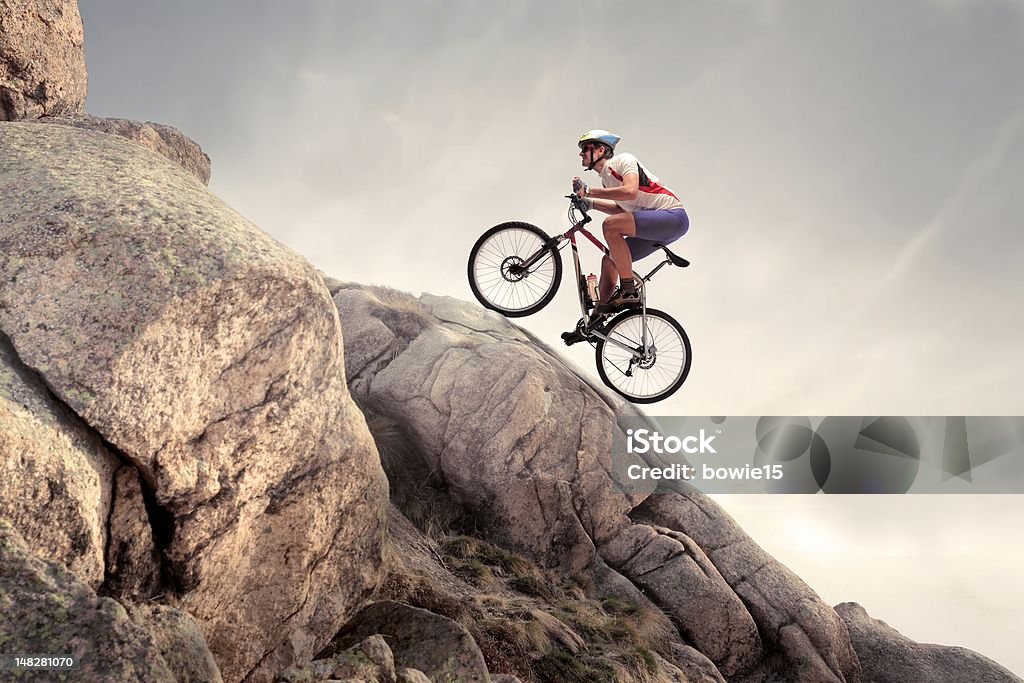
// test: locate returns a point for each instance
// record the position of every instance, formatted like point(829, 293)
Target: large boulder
point(56, 472)
point(167, 141)
point(890, 657)
point(520, 440)
point(42, 59)
point(210, 357)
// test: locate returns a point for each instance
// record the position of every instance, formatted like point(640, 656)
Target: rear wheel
point(661, 367)
point(497, 275)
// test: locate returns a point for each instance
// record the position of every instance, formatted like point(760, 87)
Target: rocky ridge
point(196, 426)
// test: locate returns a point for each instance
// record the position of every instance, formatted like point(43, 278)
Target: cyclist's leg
point(616, 229)
point(609, 278)
point(659, 226)
point(641, 248)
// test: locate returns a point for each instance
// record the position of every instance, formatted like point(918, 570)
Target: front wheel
point(499, 276)
point(661, 360)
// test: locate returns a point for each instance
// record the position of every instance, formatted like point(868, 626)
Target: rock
point(180, 641)
point(789, 615)
point(520, 440)
point(133, 562)
point(407, 675)
point(56, 472)
point(887, 656)
point(42, 59)
point(505, 678)
point(439, 647)
point(677, 576)
point(210, 356)
point(44, 609)
point(369, 661)
point(697, 667)
point(167, 141)
point(668, 672)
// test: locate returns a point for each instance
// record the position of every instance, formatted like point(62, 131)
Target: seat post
point(657, 268)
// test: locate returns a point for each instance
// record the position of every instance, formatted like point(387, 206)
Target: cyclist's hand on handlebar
point(579, 187)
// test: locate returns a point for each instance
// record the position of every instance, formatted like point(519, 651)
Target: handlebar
point(577, 204)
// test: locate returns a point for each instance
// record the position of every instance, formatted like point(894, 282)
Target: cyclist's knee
point(611, 227)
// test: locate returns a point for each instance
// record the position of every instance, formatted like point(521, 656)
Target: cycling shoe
point(573, 337)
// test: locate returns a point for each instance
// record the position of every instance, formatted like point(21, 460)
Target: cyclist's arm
point(627, 193)
point(607, 206)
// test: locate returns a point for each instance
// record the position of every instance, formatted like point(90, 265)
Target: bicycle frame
point(558, 241)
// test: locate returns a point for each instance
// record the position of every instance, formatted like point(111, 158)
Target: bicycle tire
point(498, 289)
point(667, 333)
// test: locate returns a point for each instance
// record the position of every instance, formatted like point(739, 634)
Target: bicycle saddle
point(676, 260)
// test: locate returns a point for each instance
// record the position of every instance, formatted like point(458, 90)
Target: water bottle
point(592, 287)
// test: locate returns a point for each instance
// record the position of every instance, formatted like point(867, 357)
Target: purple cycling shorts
point(656, 226)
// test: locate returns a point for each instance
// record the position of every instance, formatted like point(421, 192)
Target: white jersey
point(652, 194)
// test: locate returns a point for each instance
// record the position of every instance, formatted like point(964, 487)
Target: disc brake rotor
point(511, 269)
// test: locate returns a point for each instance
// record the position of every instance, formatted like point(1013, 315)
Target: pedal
point(571, 338)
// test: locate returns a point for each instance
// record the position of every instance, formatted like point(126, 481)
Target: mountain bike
point(642, 353)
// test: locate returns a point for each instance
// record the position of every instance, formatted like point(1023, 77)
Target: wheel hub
point(512, 269)
point(646, 361)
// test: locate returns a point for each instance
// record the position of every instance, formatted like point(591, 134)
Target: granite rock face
point(45, 609)
point(167, 141)
point(179, 639)
point(678, 576)
point(42, 59)
point(791, 619)
point(890, 657)
point(210, 358)
point(56, 472)
point(133, 561)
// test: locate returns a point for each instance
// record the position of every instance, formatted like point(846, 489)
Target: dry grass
point(418, 591)
point(533, 627)
point(416, 489)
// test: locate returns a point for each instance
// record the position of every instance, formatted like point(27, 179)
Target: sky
point(851, 171)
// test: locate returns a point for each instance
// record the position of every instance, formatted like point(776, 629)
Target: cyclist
point(643, 213)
